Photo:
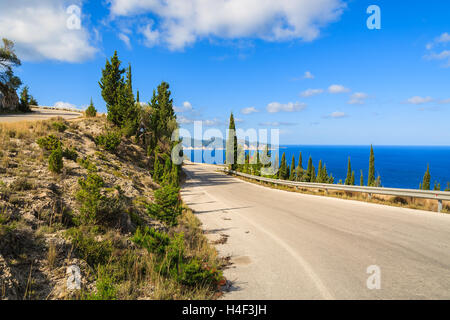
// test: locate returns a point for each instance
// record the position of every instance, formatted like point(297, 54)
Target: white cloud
point(308, 75)
point(125, 39)
point(65, 105)
point(184, 120)
point(336, 115)
point(249, 110)
point(337, 88)
point(181, 23)
point(276, 124)
point(39, 30)
point(419, 100)
point(274, 107)
point(151, 36)
point(440, 41)
point(445, 101)
point(187, 106)
point(311, 92)
point(358, 98)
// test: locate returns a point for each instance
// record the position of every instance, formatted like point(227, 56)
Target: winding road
point(39, 114)
point(286, 245)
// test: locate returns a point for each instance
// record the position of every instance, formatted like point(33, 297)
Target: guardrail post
point(439, 205)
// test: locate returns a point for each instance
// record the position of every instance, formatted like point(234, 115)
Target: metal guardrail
point(423, 194)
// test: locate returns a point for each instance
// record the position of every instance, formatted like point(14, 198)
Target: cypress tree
point(313, 174)
point(361, 181)
point(299, 169)
point(348, 179)
point(309, 171)
point(111, 83)
point(292, 173)
point(352, 180)
point(231, 148)
point(283, 172)
point(426, 179)
point(371, 177)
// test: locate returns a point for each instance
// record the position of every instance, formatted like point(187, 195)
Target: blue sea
point(398, 166)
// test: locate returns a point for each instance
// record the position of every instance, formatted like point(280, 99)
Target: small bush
point(93, 251)
point(70, 154)
point(91, 111)
point(96, 208)
point(109, 141)
point(55, 161)
point(195, 273)
point(87, 164)
point(49, 143)
point(106, 289)
point(167, 205)
point(59, 126)
point(152, 240)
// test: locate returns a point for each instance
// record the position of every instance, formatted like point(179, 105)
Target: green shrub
point(91, 111)
point(167, 205)
point(95, 207)
point(152, 240)
point(59, 126)
point(106, 289)
point(109, 140)
point(196, 273)
point(70, 154)
point(55, 161)
point(49, 143)
point(87, 164)
point(93, 251)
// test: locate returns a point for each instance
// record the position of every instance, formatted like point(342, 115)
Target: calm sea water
point(398, 166)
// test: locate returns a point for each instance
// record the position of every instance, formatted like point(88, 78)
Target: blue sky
point(385, 87)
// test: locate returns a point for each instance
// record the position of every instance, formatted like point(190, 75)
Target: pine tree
point(361, 181)
point(292, 173)
point(111, 84)
point(348, 179)
point(426, 179)
point(371, 177)
point(231, 147)
point(157, 168)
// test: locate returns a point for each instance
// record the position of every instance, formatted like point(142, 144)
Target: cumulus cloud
point(187, 106)
point(40, 31)
point(151, 36)
point(311, 92)
point(181, 23)
point(337, 88)
point(358, 98)
point(249, 110)
point(274, 107)
point(419, 100)
point(65, 105)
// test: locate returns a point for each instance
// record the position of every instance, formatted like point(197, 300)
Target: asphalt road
point(39, 114)
point(287, 245)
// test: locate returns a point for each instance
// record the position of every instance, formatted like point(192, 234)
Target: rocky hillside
point(97, 210)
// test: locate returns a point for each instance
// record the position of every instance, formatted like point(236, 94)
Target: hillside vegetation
point(81, 193)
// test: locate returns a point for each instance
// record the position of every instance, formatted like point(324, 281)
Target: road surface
point(287, 245)
point(39, 114)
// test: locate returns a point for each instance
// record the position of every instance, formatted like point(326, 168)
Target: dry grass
point(396, 201)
